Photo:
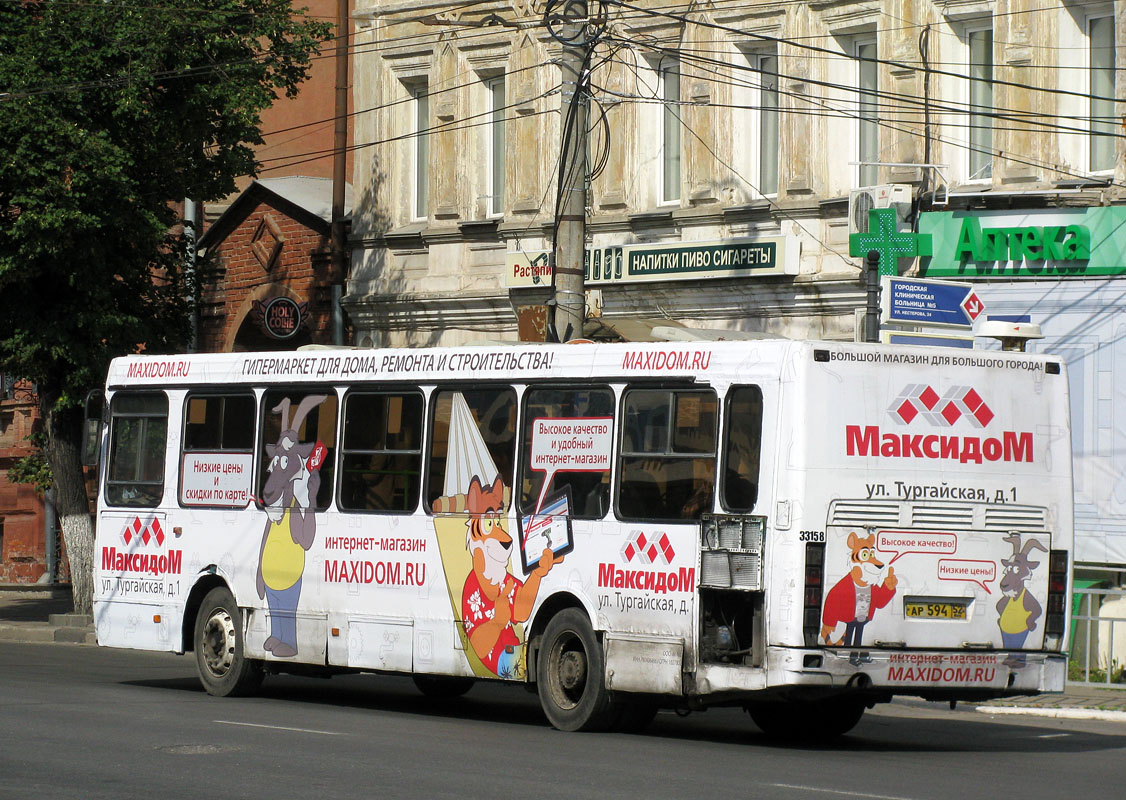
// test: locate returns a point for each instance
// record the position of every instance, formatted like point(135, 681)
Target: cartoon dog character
point(289, 496)
point(856, 596)
point(493, 600)
point(1018, 610)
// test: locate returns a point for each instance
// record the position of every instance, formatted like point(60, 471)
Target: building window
point(495, 149)
point(755, 123)
point(980, 109)
point(1100, 59)
point(867, 125)
point(420, 151)
point(669, 86)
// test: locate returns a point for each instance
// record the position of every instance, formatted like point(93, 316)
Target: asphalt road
point(85, 722)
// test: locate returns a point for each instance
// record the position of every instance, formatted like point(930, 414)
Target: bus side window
point(473, 435)
point(310, 413)
point(218, 432)
point(589, 491)
point(668, 454)
point(381, 452)
point(741, 448)
point(137, 445)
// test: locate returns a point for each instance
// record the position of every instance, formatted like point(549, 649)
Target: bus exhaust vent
point(1015, 518)
point(864, 512)
point(731, 556)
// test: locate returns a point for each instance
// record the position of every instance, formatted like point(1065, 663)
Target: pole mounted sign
point(891, 244)
point(930, 303)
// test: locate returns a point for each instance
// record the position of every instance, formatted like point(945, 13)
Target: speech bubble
point(570, 444)
point(903, 542)
point(968, 569)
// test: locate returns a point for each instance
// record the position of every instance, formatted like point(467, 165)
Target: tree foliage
point(109, 113)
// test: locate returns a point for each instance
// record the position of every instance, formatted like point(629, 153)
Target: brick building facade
point(268, 282)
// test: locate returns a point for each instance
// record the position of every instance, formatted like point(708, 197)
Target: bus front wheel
point(571, 675)
point(224, 670)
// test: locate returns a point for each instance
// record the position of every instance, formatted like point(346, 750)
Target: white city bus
point(803, 529)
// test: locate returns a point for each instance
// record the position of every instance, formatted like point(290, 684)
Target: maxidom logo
point(940, 411)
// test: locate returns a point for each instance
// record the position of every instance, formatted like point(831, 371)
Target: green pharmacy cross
point(889, 243)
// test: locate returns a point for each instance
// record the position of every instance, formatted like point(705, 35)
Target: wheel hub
point(572, 670)
point(218, 643)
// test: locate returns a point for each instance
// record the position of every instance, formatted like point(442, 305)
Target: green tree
point(110, 112)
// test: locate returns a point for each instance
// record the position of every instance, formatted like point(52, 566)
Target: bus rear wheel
point(571, 675)
point(224, 670)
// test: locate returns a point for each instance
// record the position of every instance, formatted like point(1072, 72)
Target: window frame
point(184, 451)
point(624, 453)
point(867, 174)
point(419, 138)
point(724, 455)
point(114, 417)
point(429, 441)
point(756, 123)
point(344, 451)
point(265, 412)
point(523, 445)
point(971, 117)
point(671, 160)
point(1090, 137)
point(496, 142)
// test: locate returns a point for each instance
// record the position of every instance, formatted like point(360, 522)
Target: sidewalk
point(43, 613)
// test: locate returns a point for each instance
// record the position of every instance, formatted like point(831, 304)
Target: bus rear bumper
point(942, 674)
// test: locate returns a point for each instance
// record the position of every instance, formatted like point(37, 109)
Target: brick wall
point(268, 254)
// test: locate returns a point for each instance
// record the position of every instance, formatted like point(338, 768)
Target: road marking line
point(838, 791)
point(277, 727)
point(1052, 735)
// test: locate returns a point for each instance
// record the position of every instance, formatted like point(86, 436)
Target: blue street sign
point(929, 303)
point(927, 339)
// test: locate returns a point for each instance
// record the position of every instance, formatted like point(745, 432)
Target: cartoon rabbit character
point(1017, 609)
point(289, 497)
point(856, 596)
point(493, 600)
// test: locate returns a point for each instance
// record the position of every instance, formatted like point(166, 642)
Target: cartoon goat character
point(290, 497)
point(856, 596)
point(492, 599)
point(1017, 609)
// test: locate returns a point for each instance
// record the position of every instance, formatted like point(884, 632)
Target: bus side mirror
point(92, 428)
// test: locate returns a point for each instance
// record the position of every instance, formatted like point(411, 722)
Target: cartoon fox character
point(856, 596)
point(493, 600)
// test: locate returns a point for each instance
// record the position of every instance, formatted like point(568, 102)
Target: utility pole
point(568, 23)
point(339, 271)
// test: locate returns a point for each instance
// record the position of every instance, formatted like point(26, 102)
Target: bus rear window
point(668, 454)
point(137, 445)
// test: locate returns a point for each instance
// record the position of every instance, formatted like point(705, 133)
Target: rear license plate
point(935, 609)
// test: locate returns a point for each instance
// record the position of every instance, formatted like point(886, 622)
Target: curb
point(1057, 713)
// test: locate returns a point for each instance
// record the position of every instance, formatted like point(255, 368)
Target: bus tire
point(813, 722)
point(441, 687)
point(571, 675)
point(224, 670)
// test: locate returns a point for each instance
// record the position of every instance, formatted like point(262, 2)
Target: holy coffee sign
point(280, 317)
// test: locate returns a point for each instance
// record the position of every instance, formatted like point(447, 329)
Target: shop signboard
point(1038, 243)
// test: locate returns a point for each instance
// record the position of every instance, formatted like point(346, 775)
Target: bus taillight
point(814, 585)
point(1055, 617)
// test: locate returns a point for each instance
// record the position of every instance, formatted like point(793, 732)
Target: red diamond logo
point(929, 398)
point(629, 552)
point(128, 535)
point(652, 553)
point(972, 400)
point(951, 413)
point(983, 415)
point(146, 536)
point(907, 411)
point(157, 531)
point(136, 524)
point(666, 548)
point(640, 540)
